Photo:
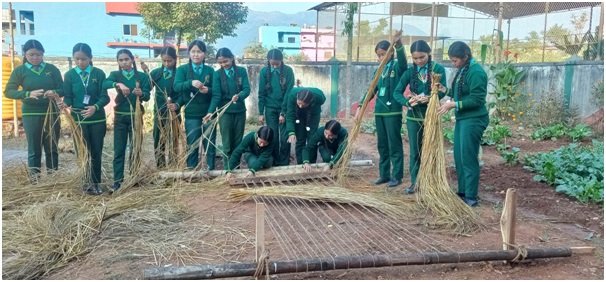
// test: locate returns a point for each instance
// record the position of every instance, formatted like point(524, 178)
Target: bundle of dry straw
point(341, 165)
point(395, 207)
point(434, 192)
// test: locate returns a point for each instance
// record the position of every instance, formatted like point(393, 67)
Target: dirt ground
point(545, 219)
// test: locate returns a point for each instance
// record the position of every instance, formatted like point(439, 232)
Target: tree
point(255, 50)
point(208, 20)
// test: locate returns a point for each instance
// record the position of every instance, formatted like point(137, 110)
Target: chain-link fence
point(522, 32)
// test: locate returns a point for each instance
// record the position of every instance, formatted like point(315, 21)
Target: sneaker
point(394, 183)
point(461, 195)
point(97, 188)
point(380, 181)
point(116, 186)
point(410, 190)
point(471, 202)
point(88, 189)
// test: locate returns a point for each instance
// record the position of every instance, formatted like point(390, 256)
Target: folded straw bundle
point(435, 193)
point(391, 206)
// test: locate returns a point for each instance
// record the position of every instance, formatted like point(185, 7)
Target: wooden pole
point(208, 271)
point(499, 48)
point(601, 28)
point(473, 30)
point(545, 30)
point(317, 32)
point(390, 22)
point(334, 43)
point(12, 58)
point(433, 11)
point(508, 32)
point(508, 220)
point(216, 173)
point(358, 45)
point(260, 231)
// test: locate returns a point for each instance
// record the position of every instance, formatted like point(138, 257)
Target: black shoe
point(380, 181)
point(394, 183)
point(93, 189)
point(88, 189)
point(470, 202)
point(461, 195)
point(116, 187)
point(410, 190)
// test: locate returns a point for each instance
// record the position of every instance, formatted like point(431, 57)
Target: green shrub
point(574, 170)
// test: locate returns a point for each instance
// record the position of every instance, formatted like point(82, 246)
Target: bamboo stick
point(215, 173)
point(208, 271)
point(508, 220)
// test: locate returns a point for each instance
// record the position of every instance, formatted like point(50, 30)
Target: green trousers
point(389, 145)
point(325, 153)
point(303, 135)
point(415, 141)
point(194, 127)
point(281, 153)
point(123, 128)
point(250, 157)
point(468, 135)
point(40, 135)
point(160, 141)
point(232, 131)
point(93, 134)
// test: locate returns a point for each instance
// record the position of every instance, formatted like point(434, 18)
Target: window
point(327, 54)
point(26, 22)
point(130, 29)
point(291, 40)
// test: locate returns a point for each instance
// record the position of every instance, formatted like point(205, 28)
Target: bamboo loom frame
point(230, 270)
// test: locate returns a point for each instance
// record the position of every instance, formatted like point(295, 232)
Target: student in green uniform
point(388, 116)
point(303, 110)
point(468, 90)
point(165, 98)
point(257, 149)
point(418, 78)
point(330, 140)
point(194, 83)
point(230, 86)
point(83, 92)
point(40, 82)
point(275, 82)
point(125, 82)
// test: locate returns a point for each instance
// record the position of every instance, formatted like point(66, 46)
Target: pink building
point(326, 44)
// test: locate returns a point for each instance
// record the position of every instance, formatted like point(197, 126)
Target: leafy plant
point(506, 87)
point(552, 132)
point(448, 127)
point(511, 157)
point(559, 130)
point(495, 132)
point(550, 108)
point(579, 132)
point(574, 170)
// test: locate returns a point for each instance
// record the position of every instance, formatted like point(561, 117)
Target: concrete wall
point(540, 77)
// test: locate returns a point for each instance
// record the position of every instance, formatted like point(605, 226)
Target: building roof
point(513, 10)
point(125, 8)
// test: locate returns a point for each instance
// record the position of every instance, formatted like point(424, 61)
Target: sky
point(284, 7)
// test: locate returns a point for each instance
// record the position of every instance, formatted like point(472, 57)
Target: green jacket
point(196, 104)
point(314, 109)
point(74, 94)
point(273, 95)
point(249, 145)
point(385, 105)
point(471, 102)
point(164, 89)
point(417, 112)
point(226, 87)
point(48, 78)
point(318, 140)
point(123, 104)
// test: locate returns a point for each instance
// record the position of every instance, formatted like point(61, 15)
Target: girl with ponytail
point(467, 96)
point(256, 148)
point(275, 82)
point(418, 78)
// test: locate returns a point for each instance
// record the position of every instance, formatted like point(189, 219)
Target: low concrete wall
point(541, 77)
